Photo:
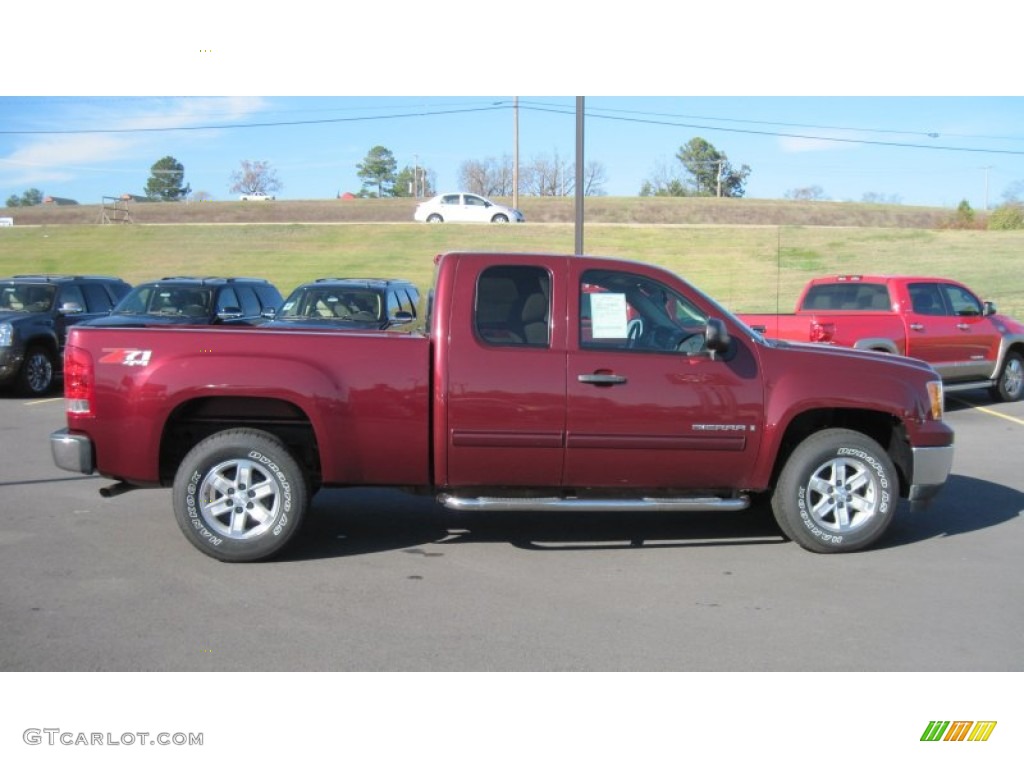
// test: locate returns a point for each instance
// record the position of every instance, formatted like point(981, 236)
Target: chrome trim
point(72, 452)
point(558, 504)
point(932, 466)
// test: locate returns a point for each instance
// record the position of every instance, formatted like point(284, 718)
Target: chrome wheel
point(37, 372)
point(240, 499)
point(1011, 382)
point(842, 495)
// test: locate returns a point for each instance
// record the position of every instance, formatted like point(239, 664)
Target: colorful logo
point(959, 730)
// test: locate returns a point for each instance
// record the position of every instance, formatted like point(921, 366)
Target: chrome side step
point(558, 504)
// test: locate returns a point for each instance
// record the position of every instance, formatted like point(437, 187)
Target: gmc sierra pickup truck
point(540, 382)
point(933, 319)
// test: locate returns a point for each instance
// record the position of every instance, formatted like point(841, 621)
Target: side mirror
point(71, 308)
point(716, 336)
point(988, 308)
point(268, 313)
point(229, 313)
point(401, 318)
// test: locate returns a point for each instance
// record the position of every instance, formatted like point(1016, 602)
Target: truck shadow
point(351, 522)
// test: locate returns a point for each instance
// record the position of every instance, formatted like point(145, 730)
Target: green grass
point(748, 268)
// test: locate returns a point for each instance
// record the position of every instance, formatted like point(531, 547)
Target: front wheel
point(837, 493)
point(36, 375)
point(500, 218)
point(239, 496)
point(1010, 386)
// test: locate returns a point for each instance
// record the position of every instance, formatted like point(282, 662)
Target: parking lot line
point(989, 411)
point(43, 402)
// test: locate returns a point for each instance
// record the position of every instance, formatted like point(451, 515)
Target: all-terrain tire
point(239, 495)
point(838, 492)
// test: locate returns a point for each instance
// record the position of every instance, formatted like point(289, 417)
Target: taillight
point(78, 381)
point(823, 331)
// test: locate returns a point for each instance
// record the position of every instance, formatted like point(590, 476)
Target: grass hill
point(752, 255)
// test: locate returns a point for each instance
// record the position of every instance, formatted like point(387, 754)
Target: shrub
point(1008, 216)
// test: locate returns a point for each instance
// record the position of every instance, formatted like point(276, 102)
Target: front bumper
point(932, 466)
point(73, 452)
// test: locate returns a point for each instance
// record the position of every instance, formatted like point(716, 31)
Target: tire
point(1010, 385)
point(239, 496)
point(435, 218)
point(36, 375)
point(499, 218)
point(837, 493)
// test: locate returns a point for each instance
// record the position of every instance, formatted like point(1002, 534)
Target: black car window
point(269, 296)
point(97, 298)
point(227, 301)
point(250, 304)
point(71, 293)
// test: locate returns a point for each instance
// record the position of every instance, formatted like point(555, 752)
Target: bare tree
point(489, 177)
point(255, 177)
point(813, 192)
point(594, 177)
point(549, 177)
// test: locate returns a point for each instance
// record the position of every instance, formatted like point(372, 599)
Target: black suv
point(350, 302)
point(195, 301)
point(35, 312)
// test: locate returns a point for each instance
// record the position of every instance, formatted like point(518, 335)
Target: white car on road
point(463, 206)
point(252, 196)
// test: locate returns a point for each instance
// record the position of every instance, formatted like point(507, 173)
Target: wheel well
point(197, 419)
point(883, 428)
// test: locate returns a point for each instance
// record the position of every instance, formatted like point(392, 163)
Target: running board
point(557, 504)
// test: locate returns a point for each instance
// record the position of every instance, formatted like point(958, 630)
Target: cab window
point(619, 310)
point(513, 306)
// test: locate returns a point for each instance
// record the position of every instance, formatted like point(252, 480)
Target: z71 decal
point(122, 356)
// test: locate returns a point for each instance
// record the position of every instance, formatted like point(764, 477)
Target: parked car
point(253, 196)
point(194, 301)
point(350, 302)
point(463, 206)
point(35, 312)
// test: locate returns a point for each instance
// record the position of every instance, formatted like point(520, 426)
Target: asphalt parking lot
point(380, 581)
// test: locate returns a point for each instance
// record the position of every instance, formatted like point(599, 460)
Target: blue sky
point(917, 150)
point(890, 101)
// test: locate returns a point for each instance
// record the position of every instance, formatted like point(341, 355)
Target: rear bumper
point(72, 452)
point(932, 466)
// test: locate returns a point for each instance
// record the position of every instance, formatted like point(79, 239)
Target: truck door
point(646, 405)
point(948, 331)
point(504, 374)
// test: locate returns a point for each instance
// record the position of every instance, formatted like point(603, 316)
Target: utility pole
point(579, 175)
point(986, 169)
point(515, 152)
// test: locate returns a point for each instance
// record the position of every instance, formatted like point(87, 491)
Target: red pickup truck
point(540, 383)
point(933, 319)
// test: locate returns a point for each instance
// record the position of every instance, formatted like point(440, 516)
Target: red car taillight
point(78, 381)
point(823, 331)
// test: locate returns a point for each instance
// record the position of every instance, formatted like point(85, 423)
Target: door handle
point(601, 379)
point(963, 326)
point(916, 327)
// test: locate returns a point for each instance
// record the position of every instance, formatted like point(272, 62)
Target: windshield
point(333, 304)
point(27, 298)
point(163, 300)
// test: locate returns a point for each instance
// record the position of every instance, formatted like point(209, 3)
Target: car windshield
point(27, 298)
point(333, 304)
point(164, 300)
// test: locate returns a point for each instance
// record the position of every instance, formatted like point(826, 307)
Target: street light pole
point(579, 175)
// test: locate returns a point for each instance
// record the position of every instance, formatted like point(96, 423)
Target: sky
point(911, 150)
point(889, 102)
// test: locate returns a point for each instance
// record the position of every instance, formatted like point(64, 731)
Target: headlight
point(6, 334)
point(936, 399)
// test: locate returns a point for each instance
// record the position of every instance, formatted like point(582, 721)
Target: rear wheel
point(1010, 386)
point(837, 493)
point(36, 375)
point(435, 218)
point(239, 495)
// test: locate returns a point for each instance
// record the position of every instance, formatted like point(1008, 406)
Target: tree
point(378, 170)
point(879, 198)
point(414, 182)
point(1007, 216)
point(29, 198)
point(490, 177)
point(255, 177)
point(813, 192)
point(712, 174)
point(165, 180)
point(664, 182)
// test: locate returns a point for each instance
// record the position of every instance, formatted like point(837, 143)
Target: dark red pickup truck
point(540, 383)
point(933, 319)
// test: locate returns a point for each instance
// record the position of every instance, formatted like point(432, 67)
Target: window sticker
point(609, 317)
